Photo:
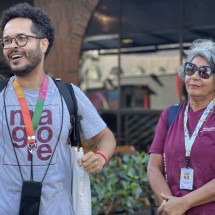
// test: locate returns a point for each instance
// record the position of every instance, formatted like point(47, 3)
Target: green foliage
point(122, 186)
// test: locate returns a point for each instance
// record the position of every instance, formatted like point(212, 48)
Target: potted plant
point(122, 187)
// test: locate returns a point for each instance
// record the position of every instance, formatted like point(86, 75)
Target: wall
point(70, 18)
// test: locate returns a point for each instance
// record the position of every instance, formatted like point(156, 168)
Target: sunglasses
point(203, 71)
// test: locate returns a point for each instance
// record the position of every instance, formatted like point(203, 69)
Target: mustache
point(12, 52)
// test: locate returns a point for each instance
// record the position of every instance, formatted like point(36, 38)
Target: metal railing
point(137, 126)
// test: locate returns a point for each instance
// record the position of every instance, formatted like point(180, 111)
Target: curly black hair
point(42, 24)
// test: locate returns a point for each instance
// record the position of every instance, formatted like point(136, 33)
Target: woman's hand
point(160, 209)
point(172, 205)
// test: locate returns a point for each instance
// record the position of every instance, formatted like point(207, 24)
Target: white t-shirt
point(56, 189)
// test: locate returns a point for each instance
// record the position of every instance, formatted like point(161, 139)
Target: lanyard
point(189, 141)
point(31, 126)
point(42, 95)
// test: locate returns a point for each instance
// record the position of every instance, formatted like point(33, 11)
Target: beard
point(34, 58)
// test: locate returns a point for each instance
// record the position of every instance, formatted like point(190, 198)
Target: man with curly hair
point(35, 122)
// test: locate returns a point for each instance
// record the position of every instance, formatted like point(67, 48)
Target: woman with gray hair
point(181, 168)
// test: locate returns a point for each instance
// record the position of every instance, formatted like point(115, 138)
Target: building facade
point(70, 18)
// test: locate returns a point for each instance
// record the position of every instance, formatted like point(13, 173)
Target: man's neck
point(30, 81)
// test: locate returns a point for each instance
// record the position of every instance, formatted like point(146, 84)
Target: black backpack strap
point(76, 131)
point(3, 83)
point(66, 90)
point(172, 112)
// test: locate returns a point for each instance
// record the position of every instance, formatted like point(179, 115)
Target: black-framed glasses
point(203, 71)
point(20, 40)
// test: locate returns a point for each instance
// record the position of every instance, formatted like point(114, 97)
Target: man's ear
point(44, 43)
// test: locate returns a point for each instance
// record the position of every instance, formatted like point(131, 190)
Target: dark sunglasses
point(203, 71)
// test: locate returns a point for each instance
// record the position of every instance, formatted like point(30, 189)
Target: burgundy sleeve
point(157, 145)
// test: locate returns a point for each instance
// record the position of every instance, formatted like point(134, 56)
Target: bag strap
point(3, 83)
point(67, 91)
point(76, 140)
point(172, 112)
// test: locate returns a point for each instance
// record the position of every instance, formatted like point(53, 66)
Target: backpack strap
point(67, 91)
point(3, 83)
point(76, 139)
point(172, 112)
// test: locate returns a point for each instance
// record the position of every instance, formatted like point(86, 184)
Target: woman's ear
point(44, 43)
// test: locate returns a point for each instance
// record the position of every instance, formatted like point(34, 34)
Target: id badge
point(186, 178)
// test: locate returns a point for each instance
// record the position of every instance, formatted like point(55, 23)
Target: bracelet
point(100, 153)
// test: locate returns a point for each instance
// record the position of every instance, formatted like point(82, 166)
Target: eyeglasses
point(20, 40)
point(203, 71)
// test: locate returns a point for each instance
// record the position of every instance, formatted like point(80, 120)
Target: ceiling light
point(127, 41)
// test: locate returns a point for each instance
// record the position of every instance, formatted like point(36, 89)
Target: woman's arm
point(202, 195)
point(179, 205)
point(156, 177)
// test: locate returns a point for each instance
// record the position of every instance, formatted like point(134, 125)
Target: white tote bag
point(81, 191)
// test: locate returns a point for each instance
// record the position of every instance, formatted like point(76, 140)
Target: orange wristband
point(100, 153)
